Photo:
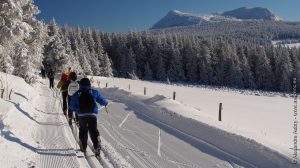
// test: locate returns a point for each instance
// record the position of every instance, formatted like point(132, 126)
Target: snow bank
point(171, 115)
point(16, 144)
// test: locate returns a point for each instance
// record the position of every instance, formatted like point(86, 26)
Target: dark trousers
point(70, 112)
point(65, 105)
point(88, 124)
point(51, 81)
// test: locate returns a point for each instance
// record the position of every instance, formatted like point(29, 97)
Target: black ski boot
point(97, 151)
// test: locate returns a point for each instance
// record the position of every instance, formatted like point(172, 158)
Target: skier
point(63, 86)
point(73, 88)
point(51, 78)
point(84, 103)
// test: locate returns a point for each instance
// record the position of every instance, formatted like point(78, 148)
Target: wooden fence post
point(129, 87)
point(106, 85)
point(98, 82)
point(220, 112)
point(2, 92)
point(174, 95)
point(145, 90)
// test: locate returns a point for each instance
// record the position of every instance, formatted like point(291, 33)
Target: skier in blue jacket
point(83, 102)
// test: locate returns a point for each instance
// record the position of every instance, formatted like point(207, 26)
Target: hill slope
point(177, 18)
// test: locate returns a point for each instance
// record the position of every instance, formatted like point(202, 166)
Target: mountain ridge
point(178, 18)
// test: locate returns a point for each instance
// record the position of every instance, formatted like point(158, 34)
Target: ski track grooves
point(135, 107)
point(55, 150)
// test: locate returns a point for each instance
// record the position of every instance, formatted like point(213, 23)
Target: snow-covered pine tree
point(82, 52)
point(283, 69)
point(247, 74)
point(148, 72)
point(21, 61)
point(106, 69)
point(21, 35)
point(192, 56)
point(55, 53)
point(204, 64)
point(175, 69)
point(262, 69)
point(157, 60)
point(131, 64)
point(233, 77)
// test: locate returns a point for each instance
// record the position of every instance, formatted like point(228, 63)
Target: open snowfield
point(297, 45)
point(266, 119)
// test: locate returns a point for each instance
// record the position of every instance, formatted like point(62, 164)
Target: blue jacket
point(97, 97)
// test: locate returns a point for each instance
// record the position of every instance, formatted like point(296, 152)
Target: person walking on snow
point(72, 88)
point(51, 78)
point(43, 73)
point(63, 86)
point(84, 103)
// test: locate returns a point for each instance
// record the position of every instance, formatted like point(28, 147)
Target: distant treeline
point(182, 58)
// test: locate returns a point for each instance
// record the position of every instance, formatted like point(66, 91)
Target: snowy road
point(137, 137)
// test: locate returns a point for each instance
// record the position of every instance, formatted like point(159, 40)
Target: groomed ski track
point(139, 139)
point(133, 138)
point(149, 137)
point(58, 146)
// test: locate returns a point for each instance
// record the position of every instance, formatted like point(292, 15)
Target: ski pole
point(106, 110)
point(75, 126)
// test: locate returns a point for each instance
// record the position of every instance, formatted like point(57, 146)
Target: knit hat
point(73, 76)
point(85, 82)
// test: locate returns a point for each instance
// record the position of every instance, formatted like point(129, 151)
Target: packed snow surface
point(266, 118)
point(147, 130)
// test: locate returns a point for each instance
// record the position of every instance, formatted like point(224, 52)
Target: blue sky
point(122, 15)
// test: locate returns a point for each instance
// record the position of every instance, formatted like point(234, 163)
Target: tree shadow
point(19, 94)
point(17, 105)
point(68, 152)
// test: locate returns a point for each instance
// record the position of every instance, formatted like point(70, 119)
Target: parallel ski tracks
point(55, 150)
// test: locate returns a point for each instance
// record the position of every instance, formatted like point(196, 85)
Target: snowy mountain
point(252, 13)
point(177, 18)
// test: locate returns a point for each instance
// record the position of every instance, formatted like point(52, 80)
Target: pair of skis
point(98, 155)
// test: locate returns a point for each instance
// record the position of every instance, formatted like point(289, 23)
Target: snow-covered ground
point(266, 119)
point(33, 130)
point(148, 134)
point(290, 45)
point(147, 131)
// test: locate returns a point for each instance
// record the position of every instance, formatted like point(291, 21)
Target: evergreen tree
point(148, 72)
point(175, 69)
point(247, 75)
point(204, 64)
point(262, 71)
point(283, 70)
point(54, 52)
point(20, 35)
point(131, 64)
point(192, 57)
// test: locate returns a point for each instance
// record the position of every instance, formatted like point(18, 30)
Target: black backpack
point(51, 74)
point(86, 101)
